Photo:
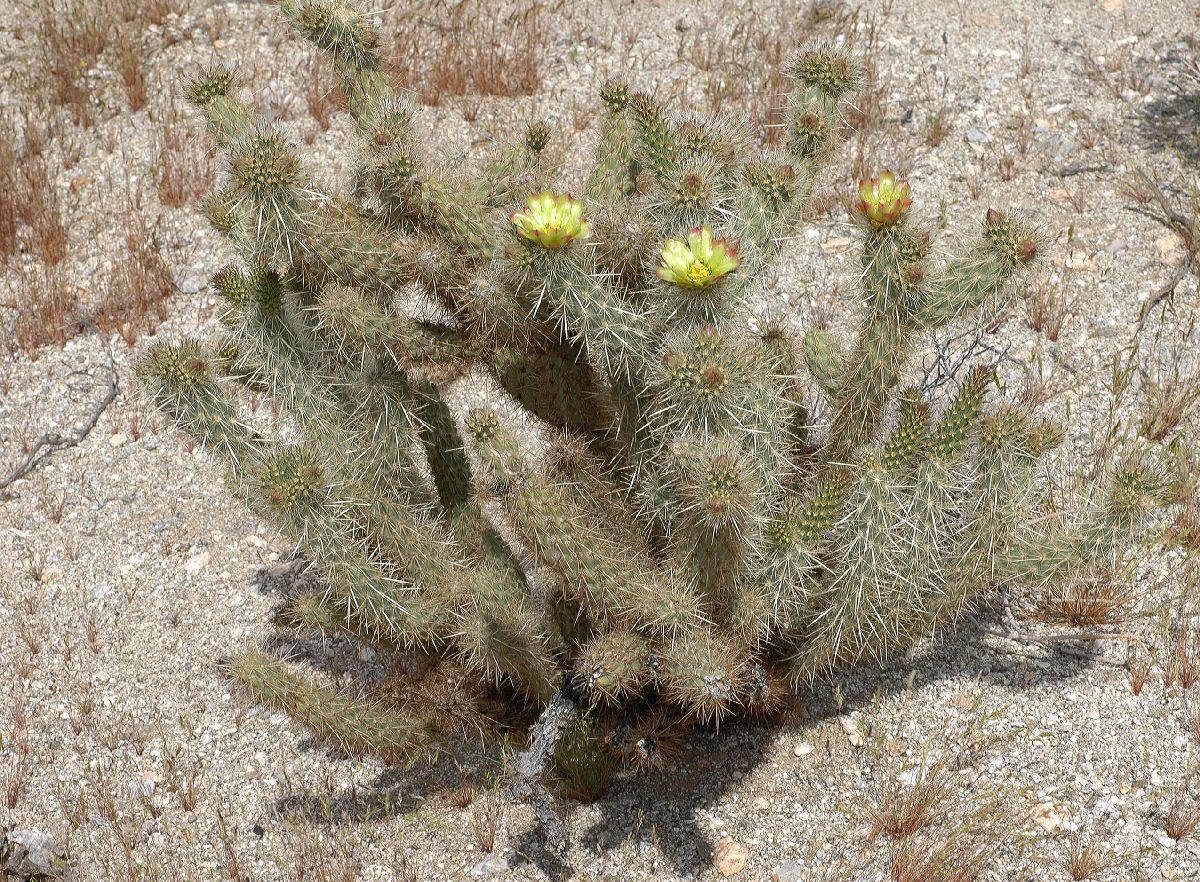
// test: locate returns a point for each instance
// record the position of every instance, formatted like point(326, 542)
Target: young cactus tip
point(883, 200)
point(552, 220)
point(699, 261)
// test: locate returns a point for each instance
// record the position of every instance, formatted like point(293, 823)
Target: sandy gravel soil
point(127, 572)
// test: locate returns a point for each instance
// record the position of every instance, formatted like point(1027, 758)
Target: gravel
point(129, 574)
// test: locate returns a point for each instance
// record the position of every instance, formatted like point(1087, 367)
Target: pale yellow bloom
point(699, 261)
point(552, 220)
point(883, 200)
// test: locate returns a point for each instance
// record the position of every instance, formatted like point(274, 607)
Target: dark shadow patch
point(1172, 122)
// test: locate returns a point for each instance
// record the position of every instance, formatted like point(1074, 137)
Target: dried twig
point(527, 784)
point(1164, 292)
point(955, 351)
point(1061, 640)
point(49, 443)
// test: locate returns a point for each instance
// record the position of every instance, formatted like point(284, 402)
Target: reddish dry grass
point(903, 809)
point(866, 115)
point(135, 302)
point(9, 175)
point(319, 92)
point(70, 36)
point(1085, 860)
point(466, 47)
point(1046, 307)
point(952, 858)
point(1183, 817)
point(487, 816)
point(185, 166)
point(1170, 393)
point(39, 209)
point(1185, 532)
point(45, 312)
point(1092, 600)
point(1183, 665)
point(132, 71)
point(1139, 668)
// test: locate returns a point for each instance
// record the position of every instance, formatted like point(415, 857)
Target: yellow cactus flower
point(552, 220)
point(883, 200)
point(698, 262)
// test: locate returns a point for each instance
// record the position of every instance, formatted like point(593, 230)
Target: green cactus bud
point(215, 81)
point(537, 136)
point(292, 478)
point(826, 69)
point(615, 95)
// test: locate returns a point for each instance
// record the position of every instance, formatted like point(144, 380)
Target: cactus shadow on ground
point(662, 803)
point(1172, 121)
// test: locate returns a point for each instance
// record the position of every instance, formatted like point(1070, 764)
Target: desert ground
point(129, 571)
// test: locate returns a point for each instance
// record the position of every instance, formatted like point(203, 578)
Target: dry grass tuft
point(185, 166)
point(1139, 668)
point(466, 47)
point(9, 175)
point(1170, 390)
point(38, 207)
point(1182, 667)
point(135, 302)
point(1185, 532)
point(70, 36)
point(45, 313)
point(132, 71)
point(903, 808)
point(487, 814)
point(1120, 72)
point(1183, 817)
point(958, 857)
point(1047, 306)
point(1086, 861)
point(1102, 596)
point(320, 93)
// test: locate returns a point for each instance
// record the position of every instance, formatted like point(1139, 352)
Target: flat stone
point(730, 857)
point(492, 865)
point(32, 854)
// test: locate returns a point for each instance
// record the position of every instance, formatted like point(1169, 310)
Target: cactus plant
point(688, 545)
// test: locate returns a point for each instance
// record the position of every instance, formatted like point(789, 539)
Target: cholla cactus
point(689, 547)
